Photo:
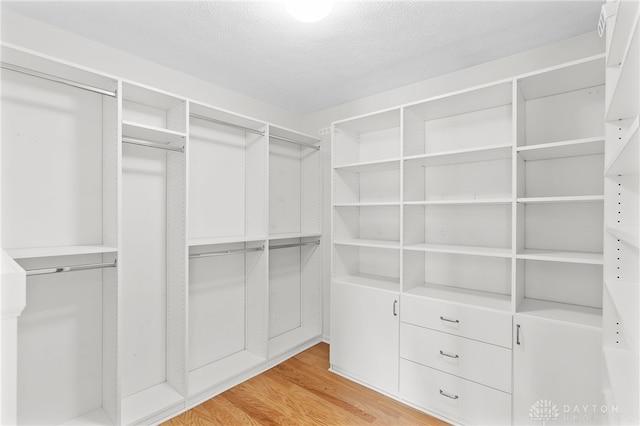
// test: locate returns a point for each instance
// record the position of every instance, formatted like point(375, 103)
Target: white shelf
point(561, 256)
point(369, 243)
point(561, 149)
point(483, 299)
point(42, 252)
point(559, 200)
point(369, 280)
point(145, 404)
point(625, 160)
point(210, 375)
point(561, 312)
point(624, 296)
point(195, 242)
point(622, 370)
point(620, 104)
point(273, 237)
point(472, 155)
point(463, 201)
point(625, 18)
point(151, 133)
point(369, 204)
point(297, 337)
point(628, 234)
point(457, 249)
point(93, 418)
point(370, 166)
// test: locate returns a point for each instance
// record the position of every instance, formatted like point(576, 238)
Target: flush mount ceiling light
point(309, 11)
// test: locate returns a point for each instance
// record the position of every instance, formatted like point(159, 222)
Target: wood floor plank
point(301, 391)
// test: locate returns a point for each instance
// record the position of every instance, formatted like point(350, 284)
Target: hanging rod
point(225, 123)
point(225, 252)
point(280, 138)
point(50, 77)
point(150, 144)
point(314, 243)
point(72, 268)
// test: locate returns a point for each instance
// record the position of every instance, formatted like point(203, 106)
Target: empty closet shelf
point(194, 242)
point(225, 252)
point(472, 155)
point(561, 149)
point(464, 296)
point(293, 235)
point(281, 246)
point(561, 256)
point(41, 252)
point(369, 243)
point(370, 280)
point(150, 144)
point(370, 166)
point(568, 199)
point(563, 312)
point(460, 249)
point(151, 133)
point(72, 268)
point(226, 123)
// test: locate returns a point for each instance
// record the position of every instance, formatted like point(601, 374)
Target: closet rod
point(280, 138)
point(314, 243)
point(71, 268)
point(225, 252)
point(225, 123)
point(150, 144)
point(50, 77)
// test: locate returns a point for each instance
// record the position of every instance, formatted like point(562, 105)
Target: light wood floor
point(301, 391)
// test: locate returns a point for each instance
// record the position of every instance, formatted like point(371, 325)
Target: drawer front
point(461, 400)
point(470, 359)
point(462, 320)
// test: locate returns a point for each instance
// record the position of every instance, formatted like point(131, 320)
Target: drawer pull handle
point(456, 356)
point(443, 393)
point(517, 334)
point(450, 320)
point(395, 308)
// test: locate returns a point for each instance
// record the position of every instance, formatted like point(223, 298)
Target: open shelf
point(561, 149)
point(370, 166)
point(459, 201)
point(210, 375)
point(460, 249)
point(567, 199)
point(370, 280)
point(93, 418)
point(369, 204)
point(562, 312)
point(195, 242)
point(623, 81)
point(624, 160)
point(151, 133)
point(628, 234)
point(501, 302)
point(41, 252)
point(368, 243)
point(274, 237)
point(151, 404)
point(561, 256)
point(471, 155)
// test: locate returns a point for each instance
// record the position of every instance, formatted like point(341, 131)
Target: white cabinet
point(364, 335)
point(556, 370)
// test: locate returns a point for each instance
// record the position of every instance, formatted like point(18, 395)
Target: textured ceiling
point(361, 48)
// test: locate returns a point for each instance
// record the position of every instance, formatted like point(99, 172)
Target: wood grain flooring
point(301, 391)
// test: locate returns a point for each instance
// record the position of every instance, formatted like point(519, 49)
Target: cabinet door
point(364, 335)
point(556, 372)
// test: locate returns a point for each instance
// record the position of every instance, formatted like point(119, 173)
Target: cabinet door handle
point(456, 356)
point(450, 320)
point(448, 395)
point(517, 334)
point(395, 308)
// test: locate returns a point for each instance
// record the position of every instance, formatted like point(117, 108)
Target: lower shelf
point(151, 404)
point(369, 280)
point(622, 370)
point(211, 375)
point(562, 312)
point(95, 417)
point(284, 342)
point(463, 296)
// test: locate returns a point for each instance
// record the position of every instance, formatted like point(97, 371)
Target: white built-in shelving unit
point(171, 247)
point(484, 206)
point(621, 215)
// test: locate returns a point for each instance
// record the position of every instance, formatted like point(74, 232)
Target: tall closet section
point(621, 238)
point(467, 249)
point(60, 201)
point(172, 248)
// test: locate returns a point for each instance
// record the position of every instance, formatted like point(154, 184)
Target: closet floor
point(301, 391)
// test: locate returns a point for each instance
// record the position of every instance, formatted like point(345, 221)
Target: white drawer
point(462, 320)
point(480, 362)
point(461, 400)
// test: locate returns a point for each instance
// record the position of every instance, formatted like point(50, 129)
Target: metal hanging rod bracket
point(150, 144)
point(225, 123)
point(311, 243)
point(50, 77)
point(225, 252)
point(307, 145)
point(56, 270)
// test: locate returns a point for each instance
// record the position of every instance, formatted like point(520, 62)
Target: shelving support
point(306, 145)
point(312, 243)
point(58, 269)
point(150, 144)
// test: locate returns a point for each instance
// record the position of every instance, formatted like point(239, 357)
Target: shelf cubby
point(228, 177)
point(367, 264)
point(227, 313)
point(367, 139)
point(379, 223)
point(562, 312)
point(465, 125)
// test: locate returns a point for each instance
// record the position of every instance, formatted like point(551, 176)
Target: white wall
point(546, 56)
point(35, 35)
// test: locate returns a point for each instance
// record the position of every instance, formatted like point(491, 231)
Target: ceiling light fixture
point(309, 11)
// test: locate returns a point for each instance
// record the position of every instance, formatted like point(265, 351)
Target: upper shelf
point(151, 133)
point(42, 252)
point(460, 249)
point(461, 156)
point(561, 256)
point(570, 148)
point(370, 166)
point(587, 317)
